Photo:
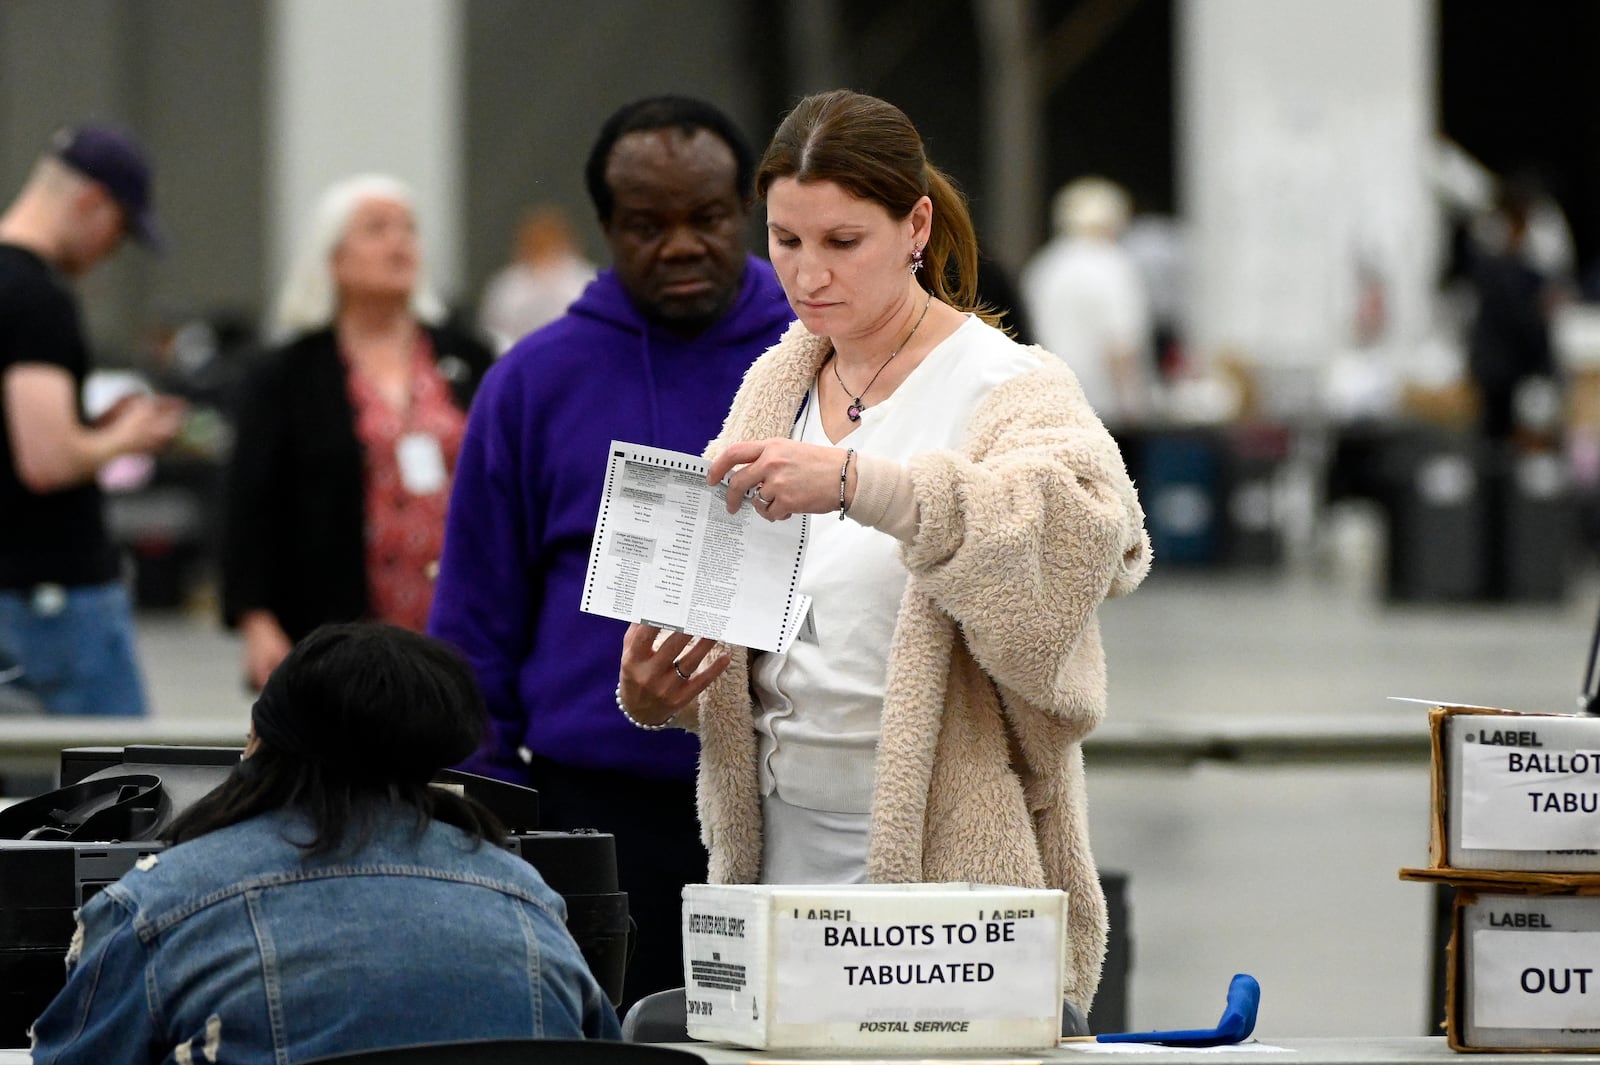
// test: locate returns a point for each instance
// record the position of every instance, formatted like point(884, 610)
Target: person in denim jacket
point(325, 898)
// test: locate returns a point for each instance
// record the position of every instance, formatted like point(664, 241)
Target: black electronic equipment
point(1589, 694)
point(60, 848)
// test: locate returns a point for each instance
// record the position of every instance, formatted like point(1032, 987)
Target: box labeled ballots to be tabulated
point(874, 967)
point(1515, 792)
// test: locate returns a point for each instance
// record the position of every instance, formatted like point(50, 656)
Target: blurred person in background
point(650, 354)
point(536, 287)
point(1545, 239)
point(1158, 246)
point(1087, 302)
point(325, 898)
point(347, 434)
point(66, 621)
point(996, 289)
point(1508, 345)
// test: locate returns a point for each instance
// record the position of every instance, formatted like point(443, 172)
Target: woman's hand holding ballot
point(788, 477)
point(660, 677)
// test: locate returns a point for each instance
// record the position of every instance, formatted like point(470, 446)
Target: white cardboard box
point(889, 966)
point(1528, 973)
point(1518, 792)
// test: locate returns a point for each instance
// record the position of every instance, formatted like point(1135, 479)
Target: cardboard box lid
point(1507, 881)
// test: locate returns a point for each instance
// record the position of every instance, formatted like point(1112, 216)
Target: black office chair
point(662, 1017)
point(517, 1052)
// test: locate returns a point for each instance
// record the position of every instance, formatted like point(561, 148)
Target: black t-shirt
point(54, 537)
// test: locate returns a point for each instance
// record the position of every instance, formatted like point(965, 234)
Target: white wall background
point(1306, 129)
point(363, 85)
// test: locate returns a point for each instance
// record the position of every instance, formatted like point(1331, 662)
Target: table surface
point(1411, 1050)
point(1175, 739)
point(1397, 1050)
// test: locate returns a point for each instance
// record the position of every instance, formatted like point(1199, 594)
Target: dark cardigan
point(293, 540)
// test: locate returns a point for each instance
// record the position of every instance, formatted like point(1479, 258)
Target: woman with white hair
point(347, 433)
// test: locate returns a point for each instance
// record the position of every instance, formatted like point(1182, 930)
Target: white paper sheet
point(1534, 979)
point(1529, 799)
point(667, 553)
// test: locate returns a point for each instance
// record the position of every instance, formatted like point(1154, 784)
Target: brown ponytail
point(951, 272)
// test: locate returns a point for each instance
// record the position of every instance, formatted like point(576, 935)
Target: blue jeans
point(75, 647)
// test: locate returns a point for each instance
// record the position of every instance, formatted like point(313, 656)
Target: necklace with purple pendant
point(853, 411)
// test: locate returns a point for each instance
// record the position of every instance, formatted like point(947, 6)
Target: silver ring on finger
point(763, 500)
point(679, 671)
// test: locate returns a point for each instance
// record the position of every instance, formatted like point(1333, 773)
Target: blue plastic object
point(1238, 1021)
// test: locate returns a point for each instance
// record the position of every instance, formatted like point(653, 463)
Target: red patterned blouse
point(409, 456)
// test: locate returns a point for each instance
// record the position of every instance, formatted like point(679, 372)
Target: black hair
point(1516, 197)
point(683, 113)
point(358, 718)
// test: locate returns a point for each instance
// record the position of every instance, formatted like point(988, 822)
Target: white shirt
point(1086, 300)
point(521, 298)
point(821, 702)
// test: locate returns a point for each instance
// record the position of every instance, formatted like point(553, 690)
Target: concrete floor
point(1285, 871)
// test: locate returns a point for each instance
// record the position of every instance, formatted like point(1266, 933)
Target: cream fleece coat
point(995, 671)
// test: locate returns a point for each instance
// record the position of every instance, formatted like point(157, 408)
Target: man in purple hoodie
point(651, 353)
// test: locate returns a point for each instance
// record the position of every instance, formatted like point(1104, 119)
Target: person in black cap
point(66, 626)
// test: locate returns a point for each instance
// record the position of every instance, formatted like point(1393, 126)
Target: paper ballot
point(667, 553)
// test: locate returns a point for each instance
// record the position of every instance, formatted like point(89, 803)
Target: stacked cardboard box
point(881, 968)
point(1516, 831)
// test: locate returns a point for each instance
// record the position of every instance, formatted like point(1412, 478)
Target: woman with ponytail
point(326, 898)
point(969, 514)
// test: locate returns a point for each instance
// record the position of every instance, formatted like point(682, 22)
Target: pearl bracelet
point(635, 722)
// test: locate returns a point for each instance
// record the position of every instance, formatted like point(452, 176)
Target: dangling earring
point(916, 258)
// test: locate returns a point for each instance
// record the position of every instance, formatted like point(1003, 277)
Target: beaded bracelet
point(844, 473)
point(635, 722)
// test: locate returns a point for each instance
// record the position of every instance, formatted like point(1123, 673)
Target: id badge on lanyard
point(421, 462)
